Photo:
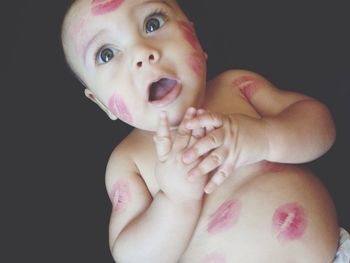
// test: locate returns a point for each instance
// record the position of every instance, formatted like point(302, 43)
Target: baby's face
point(136, 57)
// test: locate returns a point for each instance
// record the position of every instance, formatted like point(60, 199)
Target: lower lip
point(169, 98)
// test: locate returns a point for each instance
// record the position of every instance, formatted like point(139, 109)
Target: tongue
point(161, 88)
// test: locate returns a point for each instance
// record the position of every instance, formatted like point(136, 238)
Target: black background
point(56, 143)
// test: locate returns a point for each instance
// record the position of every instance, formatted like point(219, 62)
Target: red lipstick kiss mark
point(247, 85)
point(117, 106)
point(120, 196)
point(214, 257)
point(189, 34)
point(224, 217)
point(267, 166)
point(101, 7)
point(196, 61)
point(289, 222)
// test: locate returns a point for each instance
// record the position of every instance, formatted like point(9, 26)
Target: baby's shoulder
point(234, 77)
point(133, 145)
point(225, 92)
point(123, 163)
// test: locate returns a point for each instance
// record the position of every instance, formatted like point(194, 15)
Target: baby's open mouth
point(161, 88)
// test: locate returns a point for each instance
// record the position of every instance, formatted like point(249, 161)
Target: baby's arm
point(146, 229)
point(292, 128)
point(298, 128)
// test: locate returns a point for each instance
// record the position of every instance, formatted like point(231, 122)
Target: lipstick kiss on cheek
point(289, 222)
point(101, 7)
point(196, 62)
point(189, 34)
point(118, 107)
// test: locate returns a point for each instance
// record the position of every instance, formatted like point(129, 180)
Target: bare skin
point(198, 179)
point(235, 222)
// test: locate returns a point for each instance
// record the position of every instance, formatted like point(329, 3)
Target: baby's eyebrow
point(155, 2)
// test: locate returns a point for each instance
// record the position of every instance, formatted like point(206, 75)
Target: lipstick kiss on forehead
point(101, 7)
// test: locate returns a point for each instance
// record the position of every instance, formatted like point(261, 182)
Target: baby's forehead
point(85, 13)
point(101, 7)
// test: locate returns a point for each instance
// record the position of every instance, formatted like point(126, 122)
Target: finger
point(162, 138)
point(218, 178)
point(199, 132)
point(208, 164)
point(208, 128)
point(204, 145)
point(207, 119)
point(183, 134)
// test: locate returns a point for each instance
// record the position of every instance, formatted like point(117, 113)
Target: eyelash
point(156, 12)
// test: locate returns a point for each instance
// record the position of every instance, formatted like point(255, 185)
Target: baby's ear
point(92, 97)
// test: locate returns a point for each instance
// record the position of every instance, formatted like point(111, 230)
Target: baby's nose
point(150, 60)
point(146, 56)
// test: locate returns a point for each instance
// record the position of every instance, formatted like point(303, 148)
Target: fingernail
point(188, 157)
point(209, 188)
point(188, 124)
point(189, 113)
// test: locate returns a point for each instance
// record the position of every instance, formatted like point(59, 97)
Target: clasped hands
point(205, 149)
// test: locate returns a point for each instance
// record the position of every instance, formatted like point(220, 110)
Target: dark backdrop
point(56, 143)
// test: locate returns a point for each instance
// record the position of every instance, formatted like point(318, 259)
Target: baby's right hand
point(171, 171)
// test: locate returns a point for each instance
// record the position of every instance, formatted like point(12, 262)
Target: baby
point(209, 173)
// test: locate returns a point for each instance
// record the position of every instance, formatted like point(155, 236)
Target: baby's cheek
point(196, 62)
point(189, 34)
point(289, 222)
point(118, 107)
point(101, 7)
point(120, 196)
point(247, 85)
point(225, 217)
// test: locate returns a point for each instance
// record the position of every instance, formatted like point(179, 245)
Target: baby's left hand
point(231, 141)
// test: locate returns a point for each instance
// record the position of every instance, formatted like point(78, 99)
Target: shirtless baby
point(209, 173)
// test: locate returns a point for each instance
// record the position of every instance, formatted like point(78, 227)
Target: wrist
point(182, 203)
point(265, 135)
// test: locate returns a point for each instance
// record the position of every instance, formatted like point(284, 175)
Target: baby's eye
point(154, 22)
point(105, 54)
